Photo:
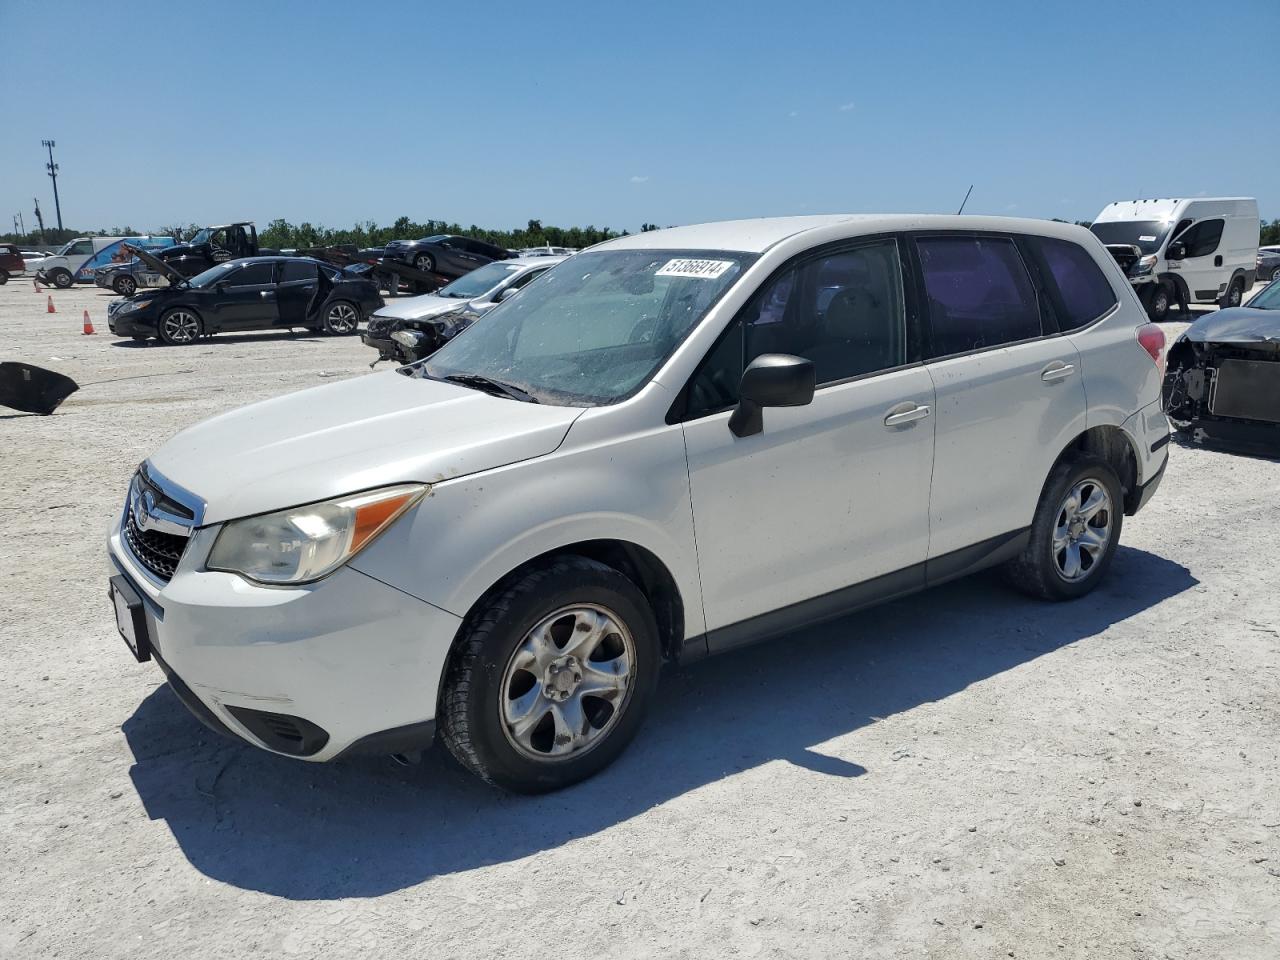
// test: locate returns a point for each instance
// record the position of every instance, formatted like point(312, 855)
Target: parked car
point(547, 251)
point(118, 277)
point(1268, 263)
point(32, 261)
point(408, 330)
point(11, 262)
point(78, 260)
point(447, 255)
point(257, 293)
point(1223, 384)
point(1207, 248)
point(674, 444)
point(209, 247)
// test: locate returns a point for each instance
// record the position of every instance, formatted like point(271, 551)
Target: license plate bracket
point(131, 617)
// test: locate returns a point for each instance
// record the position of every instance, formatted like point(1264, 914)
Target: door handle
point(903, 414)
point(1057, 371)
point(264, 293)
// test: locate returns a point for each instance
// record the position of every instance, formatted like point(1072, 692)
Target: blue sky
point(618, 113)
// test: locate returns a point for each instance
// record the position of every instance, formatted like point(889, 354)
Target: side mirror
point(771, 380)
point(222, 285)
point(506, 294)
point(1177, 251)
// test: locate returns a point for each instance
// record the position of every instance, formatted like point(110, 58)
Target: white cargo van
point(1206, 247)
point(72, 261)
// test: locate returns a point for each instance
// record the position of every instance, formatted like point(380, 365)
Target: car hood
point(371, 431)
point(156, 264)
point(419, 308)
point(1235, 325)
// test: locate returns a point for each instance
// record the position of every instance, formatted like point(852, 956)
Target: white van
point(65, 267)
point(1206, 248)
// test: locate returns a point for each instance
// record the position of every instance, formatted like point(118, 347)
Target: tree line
point(283, 235)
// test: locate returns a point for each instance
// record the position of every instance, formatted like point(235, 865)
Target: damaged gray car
point(1222, 384)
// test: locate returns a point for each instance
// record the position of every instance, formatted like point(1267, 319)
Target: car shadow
point(230, 339)
point(363, 828)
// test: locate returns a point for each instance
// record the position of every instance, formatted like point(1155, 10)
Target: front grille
point(159, 552)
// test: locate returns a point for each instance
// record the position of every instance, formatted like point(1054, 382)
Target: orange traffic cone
point(36, 283)
point(50, 308)
point(88, 324)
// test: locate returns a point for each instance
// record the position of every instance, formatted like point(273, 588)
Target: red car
point(11, 263)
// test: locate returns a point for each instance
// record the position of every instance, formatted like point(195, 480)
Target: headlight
point(306, 543)
point(1145, 265)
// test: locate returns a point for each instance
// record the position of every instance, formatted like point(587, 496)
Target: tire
point(180, 326)
point(61, 278)
point(1234, 294)
point(1157, 302)
point(424, 261)
point(1045, 572)
point(140, 339)
point(4, 277)
point(125, 285)
point(486, 678)
point(341, 319)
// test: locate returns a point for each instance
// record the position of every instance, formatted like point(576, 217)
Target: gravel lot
point(963, 774)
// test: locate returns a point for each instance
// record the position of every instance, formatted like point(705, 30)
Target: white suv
point(674, 444)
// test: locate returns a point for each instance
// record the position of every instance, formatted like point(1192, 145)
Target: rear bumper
point(1144, 493)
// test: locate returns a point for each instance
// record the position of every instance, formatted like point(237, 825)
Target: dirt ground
point(967, 773)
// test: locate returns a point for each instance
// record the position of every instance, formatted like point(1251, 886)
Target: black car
point(1223, 380)
point(449, 255)
point(257, 293)
point(209, 247)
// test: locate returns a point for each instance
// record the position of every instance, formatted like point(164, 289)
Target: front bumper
point(131, 324)
point(347, 664)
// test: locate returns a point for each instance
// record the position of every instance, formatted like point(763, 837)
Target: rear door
point(248, 301)
point(1010, 395)
point(296, 292)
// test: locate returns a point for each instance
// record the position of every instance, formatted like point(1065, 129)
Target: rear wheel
point(1074, 533)
point(61, 278)
point(4, 277)
point(424, 261)
point(550, 679)
point(125, 285)
point(1234, 294)
point(180, 326)
point(341, 318)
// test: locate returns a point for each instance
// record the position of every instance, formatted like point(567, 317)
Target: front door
point(1201, 269)
point(831, 494)
point(247, 300)
point(1010, 395)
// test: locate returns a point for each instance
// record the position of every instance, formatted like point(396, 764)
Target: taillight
point(1151, 339)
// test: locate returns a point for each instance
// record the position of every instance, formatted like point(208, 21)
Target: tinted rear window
point(1083, 291)
point(980, 294)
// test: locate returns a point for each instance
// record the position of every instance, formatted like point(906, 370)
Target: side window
point(252, 274)
point(1202, 239)
point(980, 294)
point(297, 270)
point(1083, 290)
point(81, 248)
point(842, 310)
point(521, 281)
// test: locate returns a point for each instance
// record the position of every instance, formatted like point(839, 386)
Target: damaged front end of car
point(1222, 384)
point(411, 340)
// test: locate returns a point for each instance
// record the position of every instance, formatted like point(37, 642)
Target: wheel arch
point(1114, 445)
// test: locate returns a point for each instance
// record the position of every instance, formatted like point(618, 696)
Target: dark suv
point(446, 254)
point(11, 262)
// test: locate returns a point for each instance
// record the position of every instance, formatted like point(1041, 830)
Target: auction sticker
point(702, 269)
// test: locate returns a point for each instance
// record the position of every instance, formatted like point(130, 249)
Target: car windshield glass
point(211, 276)
point(593, 329)
point(434, 239)
point(1268, 298)
point(477, 282)
point(202, 236)
point(1146, 235)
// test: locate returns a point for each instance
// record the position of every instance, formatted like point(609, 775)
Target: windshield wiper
point(495, 387)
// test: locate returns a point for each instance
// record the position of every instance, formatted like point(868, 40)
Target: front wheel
point(1234, 294)
point(1074, 533)
point(125, 285)
point(550, 679)
point(341, 318)
point(1157, 302)
point(180, 326)
point(4, 277)
point(424, 261)
point(62, 278)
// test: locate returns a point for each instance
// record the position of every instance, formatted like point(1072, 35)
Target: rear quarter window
point(1084, 293)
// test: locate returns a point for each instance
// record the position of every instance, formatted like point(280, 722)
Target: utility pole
point(22, 224)
point(44, 238)
point(53, 175)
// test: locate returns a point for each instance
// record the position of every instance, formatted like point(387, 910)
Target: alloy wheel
point(343, 318)
point(567, 683)
point(1082, 531)
point(179, 326)
point(1235, 294)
